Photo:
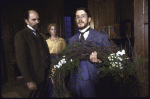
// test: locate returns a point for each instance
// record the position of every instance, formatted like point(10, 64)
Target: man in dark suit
point(87, 84)
point(32, 54)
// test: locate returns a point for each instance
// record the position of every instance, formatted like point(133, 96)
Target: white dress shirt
point(31, 29)
point(85, 34)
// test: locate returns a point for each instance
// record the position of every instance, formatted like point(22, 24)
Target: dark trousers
point(80, 87)
point(42, 89)
point(50, 88)
point(50, 84)
point(84, 88)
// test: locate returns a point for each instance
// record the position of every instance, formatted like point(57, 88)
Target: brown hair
point(86, 10)
point(50, 25)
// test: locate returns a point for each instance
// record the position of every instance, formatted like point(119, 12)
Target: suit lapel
point(90, 36)
point(31, 33)
point(77, 37)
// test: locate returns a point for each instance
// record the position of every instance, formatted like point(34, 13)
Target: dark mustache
point(80, 22)
point(37, 25)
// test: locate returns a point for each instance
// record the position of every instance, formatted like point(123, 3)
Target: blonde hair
point(50, 25)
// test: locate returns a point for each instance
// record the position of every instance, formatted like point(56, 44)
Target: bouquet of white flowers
point(115, 61)
point(61, 62)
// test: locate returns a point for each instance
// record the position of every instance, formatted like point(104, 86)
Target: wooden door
point(141, 39)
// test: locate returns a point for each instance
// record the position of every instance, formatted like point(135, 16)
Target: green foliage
point(124, 73)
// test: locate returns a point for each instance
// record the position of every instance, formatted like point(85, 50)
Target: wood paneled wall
point(102, 11)
point(141, 40)
point(107, 12)
point(113, 12)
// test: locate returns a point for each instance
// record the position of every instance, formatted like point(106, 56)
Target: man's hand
point(31, 85)
point(93, 57)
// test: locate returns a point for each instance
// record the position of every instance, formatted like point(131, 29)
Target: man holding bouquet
point(83, 83)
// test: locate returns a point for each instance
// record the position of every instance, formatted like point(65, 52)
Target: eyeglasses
point(82, 16)
point(53, 29)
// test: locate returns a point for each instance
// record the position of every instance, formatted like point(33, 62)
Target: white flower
point(54, 66)
point(112, 55)
point(120, 53)
point(59, 63)
point(109, 58)
point(117, 65)
point(123, 52)
point(63, 61)
point(113, 64)
point(64, 56)
point(59, 66)
point(71, 60)
point(120, 64)
point(119, 58)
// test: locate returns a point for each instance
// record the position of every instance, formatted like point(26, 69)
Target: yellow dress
point(56, 46)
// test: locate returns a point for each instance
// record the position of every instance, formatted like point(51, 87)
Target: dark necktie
point(36, 34)
point(82, 37)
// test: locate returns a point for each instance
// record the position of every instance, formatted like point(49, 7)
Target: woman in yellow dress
point(55, 45)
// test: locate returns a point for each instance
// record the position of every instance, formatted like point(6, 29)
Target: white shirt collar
point(84, 29)
point(30, 27)
point(85, 34)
